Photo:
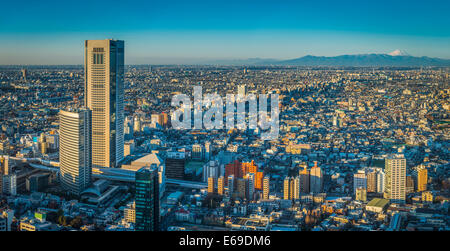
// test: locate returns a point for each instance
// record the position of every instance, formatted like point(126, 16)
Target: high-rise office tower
point(316, 179)
point(104, 77)
point(395, 178)
point(304, 180)
point(75, 154)
point(422, 179)
point(266, 187)
point(147, 199)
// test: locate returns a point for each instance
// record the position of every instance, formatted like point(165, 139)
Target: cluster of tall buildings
point(240, 179)
point(393, 182)
point(307, 181)
point(92, 136)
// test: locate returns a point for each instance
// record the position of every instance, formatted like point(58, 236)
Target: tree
point(77, 222)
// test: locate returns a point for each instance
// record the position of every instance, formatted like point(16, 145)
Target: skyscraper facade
point(250, 179)
point(147, 199)
point(104, 77)
point(395, 179)
point(296, 188)
point(286, 186)
point(316, 179)
point(304, 180)
point(240, 170)
point(359, 181)
point(220, 185)
point(422, 180)
point(372, 182)
point(211, 185)
point(266, 188)
point(289, 188)
point(230, 185)
point(380, 181)
point(75, 150)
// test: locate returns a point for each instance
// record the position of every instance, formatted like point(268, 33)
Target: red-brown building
point(239, 170)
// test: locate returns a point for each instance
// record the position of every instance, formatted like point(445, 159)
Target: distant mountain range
point(396, 58)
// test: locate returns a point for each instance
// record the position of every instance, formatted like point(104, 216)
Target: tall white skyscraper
point(75, 150)
point(395, 178)
point(104, 77)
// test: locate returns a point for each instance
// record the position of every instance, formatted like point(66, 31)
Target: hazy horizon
point(179, 32)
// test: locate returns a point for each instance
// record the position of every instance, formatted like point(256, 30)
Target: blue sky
point(52, 32)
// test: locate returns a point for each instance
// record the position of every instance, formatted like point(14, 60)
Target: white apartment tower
point(104, 77)
point(75, 150)
point(395, 178)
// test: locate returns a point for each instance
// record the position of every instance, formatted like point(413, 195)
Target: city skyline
point(148, 133)
point(199, 32)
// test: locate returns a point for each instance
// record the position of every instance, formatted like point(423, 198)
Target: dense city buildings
point(358, 149)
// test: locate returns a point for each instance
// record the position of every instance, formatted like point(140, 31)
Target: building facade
point(422, 180)
point(104, 77)
point(316, 179)
point(395, 179)
point(147, 199)
point(75, 152)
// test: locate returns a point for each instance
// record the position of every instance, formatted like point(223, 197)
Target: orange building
point(239, 170)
